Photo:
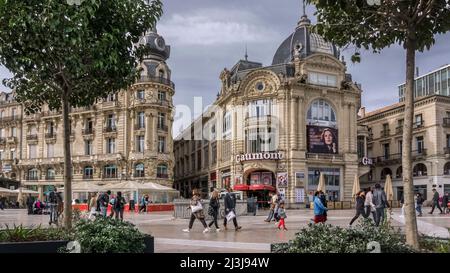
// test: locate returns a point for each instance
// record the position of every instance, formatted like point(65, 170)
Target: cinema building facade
point(277, 127)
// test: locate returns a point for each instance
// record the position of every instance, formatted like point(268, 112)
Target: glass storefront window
point(332, 182)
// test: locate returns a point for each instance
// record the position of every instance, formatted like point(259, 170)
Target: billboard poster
point(238, 180)
point(322, 140)
point(299, 195)
point(299, 178)
point(266, 178)
point(254, 178)
point(282, 193)
point(282, 180)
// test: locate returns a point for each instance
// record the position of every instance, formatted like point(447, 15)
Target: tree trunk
point(408, 186)
point(67, 162)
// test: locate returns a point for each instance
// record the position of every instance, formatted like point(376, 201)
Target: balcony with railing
point(88, 131)
point(257, 120)
point(164, 102)
point(110, 129)
point(49, 178)
point(11, 139)
point(88, 176)
point(162, 127)
point(162, 175)
point(385, 133)
point(51, 135)
point(324, 156)
point(110, 176)
point(32, 137)
point(388, 159)
point(446, 122)
point(161, 80)
point(418, 124)
point(10, 118)
point(139, 127)
point(419, 153)
point(31, 178)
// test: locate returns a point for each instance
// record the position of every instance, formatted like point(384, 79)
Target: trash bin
point(252, 205)
point(131, 208)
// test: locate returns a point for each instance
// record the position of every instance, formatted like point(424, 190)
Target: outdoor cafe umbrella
point(26, 191)
point(356, 187)
point(6, 191)
point(321, 186)
point(20, 197)
point(388, 188)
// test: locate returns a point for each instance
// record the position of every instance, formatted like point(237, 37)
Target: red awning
point(259, 187)
point(240, 187)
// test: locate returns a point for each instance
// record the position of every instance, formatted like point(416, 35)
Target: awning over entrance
point(259, 187)
point(241, 187)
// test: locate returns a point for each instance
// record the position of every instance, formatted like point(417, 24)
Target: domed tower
point(303, 42)
point(151, 115)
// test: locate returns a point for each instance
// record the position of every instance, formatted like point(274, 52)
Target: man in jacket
point(30, 202)
point(419, 202)
point(380, 202)
point(445, 203)
point(230, 205)
point(103, 202)
point(435, 202)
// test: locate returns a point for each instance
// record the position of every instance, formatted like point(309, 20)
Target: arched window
point(161, 73)
point(321, 111)
point(88, 172)
point(385, 172)
point(447, 168)
point(399, 172)
point(50, 174)
point(161, 171)
point(139, 170)
point(420, 170)
point(110, 171)
point(33, 174)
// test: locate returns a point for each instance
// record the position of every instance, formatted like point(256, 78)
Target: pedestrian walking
point(143, 203)
point(93, 206)
point(103, 202)
point(52, 203)
point(273, 199)
point(435, 202)
point(368, 204)
point(419, 202)
point(30, 202)
point(119, 205)
point(230, 209)
point(323, 199)
point(196, 211)
point(319, 209)
point(402, 202)
point(282, 215)
point(214, 205)
point(380, 202)
point(359, 206)
point(112, 200)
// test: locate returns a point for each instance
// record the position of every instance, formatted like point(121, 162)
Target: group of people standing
point(197, 211)
point(98, 205)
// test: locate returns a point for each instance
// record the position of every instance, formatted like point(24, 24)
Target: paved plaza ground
point(255, 236)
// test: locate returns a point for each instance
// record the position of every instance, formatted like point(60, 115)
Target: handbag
point(197, 207)
point(230, 216)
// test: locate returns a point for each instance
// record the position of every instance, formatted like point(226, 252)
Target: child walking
point(282, 215)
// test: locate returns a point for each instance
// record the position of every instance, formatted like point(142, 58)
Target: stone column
point(132, 135)
point(352, 126)
point(301, 116)
point(365, 147)
point(148, 131)
point(293, 123)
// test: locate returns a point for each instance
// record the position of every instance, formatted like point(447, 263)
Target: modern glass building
point(436, 82)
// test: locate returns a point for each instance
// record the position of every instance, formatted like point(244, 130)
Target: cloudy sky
point(209, 35)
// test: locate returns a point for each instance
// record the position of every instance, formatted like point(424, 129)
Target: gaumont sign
point(259, 156)
point(367, 161)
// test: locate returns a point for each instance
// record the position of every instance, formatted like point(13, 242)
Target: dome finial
point(304, 21)
point(246, 53)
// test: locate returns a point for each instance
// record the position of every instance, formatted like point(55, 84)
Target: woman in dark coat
point(214, 206)
point(360, 198)
point(197, 214)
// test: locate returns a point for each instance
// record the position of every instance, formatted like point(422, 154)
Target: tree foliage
point(87, 49)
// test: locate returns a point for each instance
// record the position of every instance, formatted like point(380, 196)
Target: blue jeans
point(380, 216)
point(103, 210)
point(419, 209)
point(53, 213)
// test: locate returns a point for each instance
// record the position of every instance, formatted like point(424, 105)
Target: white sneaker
point(206, 230)
point(186, 230)
point(217, 229)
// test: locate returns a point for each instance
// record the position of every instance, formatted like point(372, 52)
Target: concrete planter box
point(32, 247)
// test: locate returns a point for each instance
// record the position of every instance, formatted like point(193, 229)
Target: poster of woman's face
point(323, 140)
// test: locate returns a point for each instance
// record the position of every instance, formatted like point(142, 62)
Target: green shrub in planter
point(28, 234)
point(106, 235)
point(322, 238)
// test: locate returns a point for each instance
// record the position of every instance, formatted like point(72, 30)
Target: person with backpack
point(103, 203)
point(197, 212)
point(52, 203)
point(435, 202)
point(419, 202)
point(213, 210)
point(119, 205)
point(380, 201)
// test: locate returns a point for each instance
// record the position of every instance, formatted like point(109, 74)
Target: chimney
point(362, 112)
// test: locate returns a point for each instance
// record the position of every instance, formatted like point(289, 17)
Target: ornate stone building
point(126, 136)
point(277, 127)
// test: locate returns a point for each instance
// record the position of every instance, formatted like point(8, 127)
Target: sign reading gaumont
point(259, 156)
